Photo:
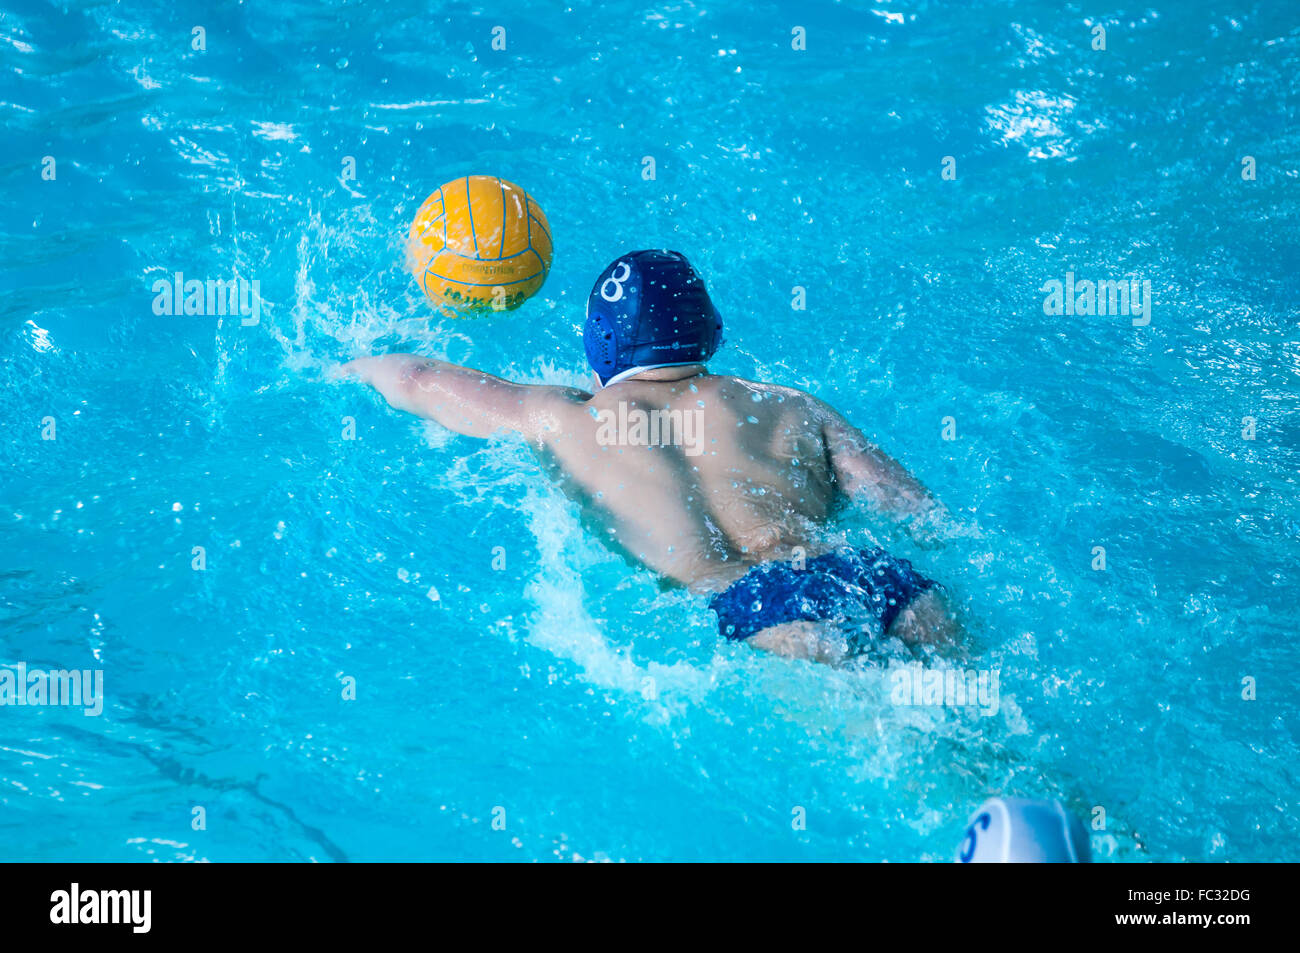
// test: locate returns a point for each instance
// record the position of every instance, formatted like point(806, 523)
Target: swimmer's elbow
point(411, 387)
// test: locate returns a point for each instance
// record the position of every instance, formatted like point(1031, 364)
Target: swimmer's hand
point(935, 527)
point(930, 528)
point(340, 371)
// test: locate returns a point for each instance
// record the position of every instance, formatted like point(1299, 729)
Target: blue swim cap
point(649, 309)
point(1018, 831)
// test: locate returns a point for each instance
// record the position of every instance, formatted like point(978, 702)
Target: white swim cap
point(1020, 831)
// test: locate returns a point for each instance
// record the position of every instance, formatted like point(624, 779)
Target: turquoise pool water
point(562, 694)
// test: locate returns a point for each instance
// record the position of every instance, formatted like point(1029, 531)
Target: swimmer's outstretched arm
point(864, 471)
point(462, 399)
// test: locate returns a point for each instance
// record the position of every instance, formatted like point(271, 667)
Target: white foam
point(562, 625)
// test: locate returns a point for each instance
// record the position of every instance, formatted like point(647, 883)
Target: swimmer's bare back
point(699, 477)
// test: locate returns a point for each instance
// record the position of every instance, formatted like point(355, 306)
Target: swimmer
point(722, 485)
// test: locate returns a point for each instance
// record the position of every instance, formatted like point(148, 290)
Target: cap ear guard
point(601, 345)
point(717, 334)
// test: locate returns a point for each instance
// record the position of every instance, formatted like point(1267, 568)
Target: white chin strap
point(633, 371)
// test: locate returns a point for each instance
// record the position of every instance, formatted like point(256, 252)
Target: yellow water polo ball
point(479, 244)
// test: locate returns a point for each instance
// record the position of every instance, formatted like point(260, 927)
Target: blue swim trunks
point(848, 585)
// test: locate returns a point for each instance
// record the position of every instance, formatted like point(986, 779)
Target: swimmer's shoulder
point(789, 398)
